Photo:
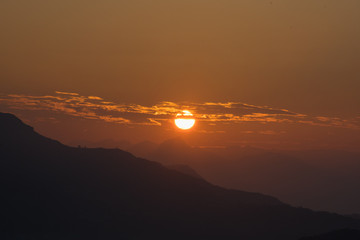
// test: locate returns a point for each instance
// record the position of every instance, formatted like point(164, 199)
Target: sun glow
point(184, 120)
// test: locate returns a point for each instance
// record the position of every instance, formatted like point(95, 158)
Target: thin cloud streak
point(94, 107)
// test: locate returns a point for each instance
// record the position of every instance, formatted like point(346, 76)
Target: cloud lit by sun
point(208, 113)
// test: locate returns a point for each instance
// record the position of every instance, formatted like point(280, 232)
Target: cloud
point(95, 98)
point(211, 113)
point(67, 93)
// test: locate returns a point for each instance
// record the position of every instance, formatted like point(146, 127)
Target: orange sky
point(302, 56)
point(71, 117)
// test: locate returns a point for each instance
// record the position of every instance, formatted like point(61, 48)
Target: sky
point(276, 74)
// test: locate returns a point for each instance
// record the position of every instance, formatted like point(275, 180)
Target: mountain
point(106, 143)
point(184, 169)
point(324, 180)
point(343, 234)
point(52, 191)
point(172, 151)
point(142, 149)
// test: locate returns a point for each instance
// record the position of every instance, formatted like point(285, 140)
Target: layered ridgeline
point(53, 191)
point(324, 180)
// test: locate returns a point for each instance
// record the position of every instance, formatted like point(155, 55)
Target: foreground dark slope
point(53, 191)
point(342, 234)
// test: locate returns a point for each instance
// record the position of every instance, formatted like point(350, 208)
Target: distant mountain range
point(52, 191)
point(324, 180)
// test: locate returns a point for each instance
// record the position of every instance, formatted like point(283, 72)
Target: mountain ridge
point(53, 189)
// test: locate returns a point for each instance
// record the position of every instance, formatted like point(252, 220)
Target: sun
point(184, 120)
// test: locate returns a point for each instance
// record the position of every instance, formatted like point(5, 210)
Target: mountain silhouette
point(106, 143)
point(184, 169)
point(52, 191)
point(142, 149)
point(324, 180)
point(172, 151)
point(343, 234)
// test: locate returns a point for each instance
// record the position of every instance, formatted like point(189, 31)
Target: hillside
point(54, 191)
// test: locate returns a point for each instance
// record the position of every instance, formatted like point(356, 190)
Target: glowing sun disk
point(184, 121)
